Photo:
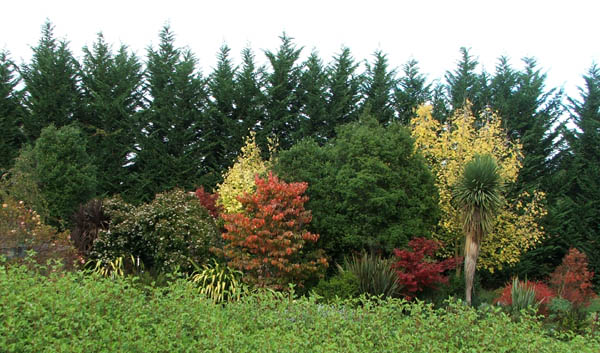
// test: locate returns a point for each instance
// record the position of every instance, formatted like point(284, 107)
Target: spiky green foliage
point(478, 196)
point(375, 274)
point(523, 297)
point(477, 193)
point(218, 282)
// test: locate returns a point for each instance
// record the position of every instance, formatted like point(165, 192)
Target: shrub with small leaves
point(572, 281)
point(164, 233)
point(344, 285)
point(22, 229)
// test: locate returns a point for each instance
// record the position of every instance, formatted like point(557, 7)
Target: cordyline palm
point(478, 196)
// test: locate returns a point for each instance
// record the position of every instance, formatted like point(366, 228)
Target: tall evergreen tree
point(463, 83)
point(584, 193)
point(314, 98)
point(51, 80)
point(11, 113)
point(283, 104)
point(249, 98)
point(343, 86)
point(410, 92)
point(378, 88)
point(111, 88)
point(529, 113)
point(170, 150)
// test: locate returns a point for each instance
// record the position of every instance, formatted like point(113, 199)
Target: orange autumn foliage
point(267, 240)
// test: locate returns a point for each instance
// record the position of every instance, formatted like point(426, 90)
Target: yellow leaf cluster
point(447, 148)
point(240, 177)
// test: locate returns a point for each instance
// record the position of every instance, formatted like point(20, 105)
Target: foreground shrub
point(58, 314)
point(269, 240)
point(376, 277)
point(344, 285)
point(417, 269)
point(218, 283)
point(163, 234)
point(541, 295)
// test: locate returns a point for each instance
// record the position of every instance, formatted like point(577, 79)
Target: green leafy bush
point(59, 312)
point(344, 285)
point(164, 233)
point(368, 188)
point(61, 167)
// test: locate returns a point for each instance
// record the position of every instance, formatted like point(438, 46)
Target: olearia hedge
point(74, 312)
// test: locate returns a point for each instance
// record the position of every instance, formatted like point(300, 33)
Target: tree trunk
point(472, 245)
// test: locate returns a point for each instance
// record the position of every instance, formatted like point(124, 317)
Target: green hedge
point(72, 312)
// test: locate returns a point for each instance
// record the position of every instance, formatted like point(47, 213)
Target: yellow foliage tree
point(448, 147)
point(240, 177)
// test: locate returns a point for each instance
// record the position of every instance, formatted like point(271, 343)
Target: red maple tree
point(267, 241)
point(417, 269)
point(209, 201)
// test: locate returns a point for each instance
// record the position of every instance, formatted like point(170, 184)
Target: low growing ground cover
point(74, 312)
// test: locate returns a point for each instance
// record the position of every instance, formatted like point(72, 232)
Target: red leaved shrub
point(209, 201)
point(543, 295)
point(417, 269)
point(571, 280)
point(267, 241)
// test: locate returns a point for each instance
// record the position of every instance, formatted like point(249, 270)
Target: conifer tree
point(410, 92)
point(111, 88)
point(343, 85)
point(463, 83)
point(378, 88)
point(314, 98)
point(249, 99)
point(224, 132)
point(11, 113)
point(282, 105)
point(169, 150)
point(51, 80)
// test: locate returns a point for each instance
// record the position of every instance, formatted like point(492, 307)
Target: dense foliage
point(60, 165)
point(268, 240)
point(448, 148)
point(418, 269)
point(368, 187)
point(163, 234)
point(57, 313)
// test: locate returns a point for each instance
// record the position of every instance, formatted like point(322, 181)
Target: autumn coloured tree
point(267, 241)
point(209, 201)
point(417, 269)
point(572, 280)
point(239, 179)
point(448, 147)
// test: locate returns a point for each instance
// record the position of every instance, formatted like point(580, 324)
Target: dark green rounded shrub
point(344, 285)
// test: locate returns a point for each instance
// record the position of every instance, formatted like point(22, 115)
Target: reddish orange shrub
point(267, 240)
point(543, 295)
point(571, 280)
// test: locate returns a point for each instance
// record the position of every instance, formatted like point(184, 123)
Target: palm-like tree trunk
point(472, 246)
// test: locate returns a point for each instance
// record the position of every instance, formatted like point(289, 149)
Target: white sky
point(561, 35)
